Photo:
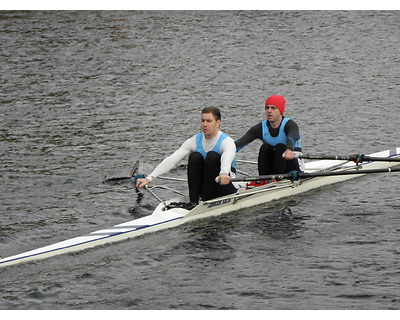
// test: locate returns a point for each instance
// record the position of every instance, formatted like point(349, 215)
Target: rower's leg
point(212, 189)
point(283, 165)
point(270, 160)
point(266, 160)
point(280, 164)
point(195, 176)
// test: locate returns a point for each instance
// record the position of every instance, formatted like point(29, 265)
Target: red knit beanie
point(277, 101)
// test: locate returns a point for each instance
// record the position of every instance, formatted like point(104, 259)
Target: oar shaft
point(346, 172)
point(120, 179)
point(264, 177)
point(295, 175)
point(355, 157)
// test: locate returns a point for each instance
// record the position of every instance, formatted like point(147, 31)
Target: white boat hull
point(161, 219)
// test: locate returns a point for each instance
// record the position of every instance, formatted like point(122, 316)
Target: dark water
point(85, 94)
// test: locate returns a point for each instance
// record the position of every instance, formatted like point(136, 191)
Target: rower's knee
point(195, 158)
point(213, 157)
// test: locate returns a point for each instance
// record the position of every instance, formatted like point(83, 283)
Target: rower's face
point(273, 113)
point(209, 125)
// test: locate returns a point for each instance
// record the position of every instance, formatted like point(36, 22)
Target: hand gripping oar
point(296, 175)
point(357, 158)
point(132, 177)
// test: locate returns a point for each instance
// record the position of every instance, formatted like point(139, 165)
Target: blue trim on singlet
point(281, 137)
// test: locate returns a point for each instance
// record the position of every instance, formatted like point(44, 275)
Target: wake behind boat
point(317, 174)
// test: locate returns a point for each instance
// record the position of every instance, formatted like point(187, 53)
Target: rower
point(211, 162)
point(280, 137)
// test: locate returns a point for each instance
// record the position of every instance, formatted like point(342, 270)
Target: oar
point(357, 158)
point(132, 176)
point(122, 179)
point(296, 175)
point(118, 180)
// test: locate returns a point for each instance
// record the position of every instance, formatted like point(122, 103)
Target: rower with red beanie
point(280, 137)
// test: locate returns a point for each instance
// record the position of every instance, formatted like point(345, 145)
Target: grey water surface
point(85, 94)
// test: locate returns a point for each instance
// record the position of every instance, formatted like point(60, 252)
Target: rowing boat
point(164, 217)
